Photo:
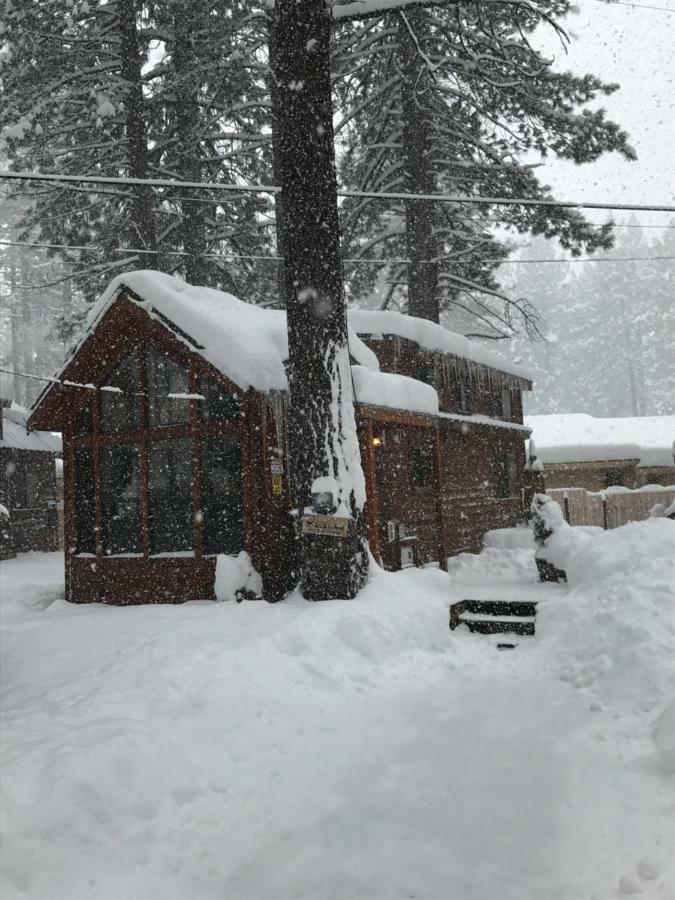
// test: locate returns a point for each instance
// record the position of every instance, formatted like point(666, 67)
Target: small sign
point(277, 485)
point(331, 526)
point(277, 466)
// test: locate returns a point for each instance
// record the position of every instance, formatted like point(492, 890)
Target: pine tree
point(451, 99)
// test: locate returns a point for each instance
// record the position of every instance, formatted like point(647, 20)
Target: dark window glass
point(613, 477)
point(83, 423)
point(170, 495)
point(85, 502)
point(166, 377)
point(423, 467)
point(119, 409)
point(464, 398)
point(507, 475)
point(218, 405)
point(223, 511)
point(120, 500)
point(506, 404)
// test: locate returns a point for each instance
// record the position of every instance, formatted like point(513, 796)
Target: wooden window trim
point(194, 429)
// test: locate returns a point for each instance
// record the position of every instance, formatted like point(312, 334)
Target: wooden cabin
point(27, 485)
point(173, 413)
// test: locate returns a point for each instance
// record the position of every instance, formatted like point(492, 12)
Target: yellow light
point(377, 441)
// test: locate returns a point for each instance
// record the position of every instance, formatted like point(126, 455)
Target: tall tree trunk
point(276, 161)
point(419, 175)
point(323, 439)
point(144, 226)
point(187, 121)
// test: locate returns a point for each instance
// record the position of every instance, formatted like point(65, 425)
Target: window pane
point(506, 404)
point(83, 419)
point(119, 411)
point(170, 495)
point(223, 509)
point(218, 404)
point(120, 500)
point(165, 377)
point(85, 502)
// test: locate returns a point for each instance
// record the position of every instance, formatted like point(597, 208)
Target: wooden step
point(495, 616)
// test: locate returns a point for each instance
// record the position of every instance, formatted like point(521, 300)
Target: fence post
point(604, 511)
point(566, 508)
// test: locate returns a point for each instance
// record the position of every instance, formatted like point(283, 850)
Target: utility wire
point(635, 5)
point(356, 260)
point(359, 195)
point(104, 388)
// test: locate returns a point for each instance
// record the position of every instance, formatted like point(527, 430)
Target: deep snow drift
point(346, 750)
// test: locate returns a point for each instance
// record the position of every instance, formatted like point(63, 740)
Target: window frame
point(196, 428)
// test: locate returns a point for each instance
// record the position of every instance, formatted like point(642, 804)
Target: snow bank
point(614, 633)
point(394, 391)
point(578, 437)
point(518, 538)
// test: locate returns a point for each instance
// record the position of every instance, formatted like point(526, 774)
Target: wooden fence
point(611, 508)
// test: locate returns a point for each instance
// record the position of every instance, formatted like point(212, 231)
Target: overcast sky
point(634, 47)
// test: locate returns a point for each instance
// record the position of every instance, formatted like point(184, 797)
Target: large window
point(85, 501)
point(165, 378)
point(170, 495)
point(218, 404)
point(146, 448)
point(120, 500)
point(119, 407)
point(221, 493)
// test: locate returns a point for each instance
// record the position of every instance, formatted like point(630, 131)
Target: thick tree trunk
point(143, 226)
point(276, 163)
point(322, 430)
point(419, 175)
point(186, 66)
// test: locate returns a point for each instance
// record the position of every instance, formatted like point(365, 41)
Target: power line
point(357, 195)
point(354, 260)
point(108, 389)
point(635, 5)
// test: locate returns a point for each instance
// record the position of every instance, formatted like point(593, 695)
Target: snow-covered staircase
point(495, 616)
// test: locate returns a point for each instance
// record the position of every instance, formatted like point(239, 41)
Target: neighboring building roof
point(14, 433)
point(577, 437)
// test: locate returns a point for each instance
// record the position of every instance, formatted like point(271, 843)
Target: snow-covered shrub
point(547, 519)
point(236, 578)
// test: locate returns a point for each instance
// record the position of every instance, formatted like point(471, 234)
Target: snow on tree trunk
point(323, 439)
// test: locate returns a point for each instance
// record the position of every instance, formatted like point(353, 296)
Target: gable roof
point(16, 436)
point(249, 344)
point(578, 437)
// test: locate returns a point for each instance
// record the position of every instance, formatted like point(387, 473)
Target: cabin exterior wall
point(29, 493)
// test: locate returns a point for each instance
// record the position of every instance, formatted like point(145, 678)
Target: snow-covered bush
point(547, 519)
point(236, 578)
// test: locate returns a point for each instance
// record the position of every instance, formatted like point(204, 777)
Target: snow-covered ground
point(346, 750)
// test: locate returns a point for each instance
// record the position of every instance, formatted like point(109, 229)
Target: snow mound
point(235, 575)
point(518, 538)
point(613, 632)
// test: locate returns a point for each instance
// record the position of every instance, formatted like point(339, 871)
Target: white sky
point(634, 47)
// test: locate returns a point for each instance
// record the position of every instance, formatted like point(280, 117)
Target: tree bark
point(276, 163)
point(417, 131)
point(322, 427)
point(144, 227)
point(186, 65)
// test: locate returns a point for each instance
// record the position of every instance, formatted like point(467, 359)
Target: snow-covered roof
point(394, 391)
point(431, 336)
point(247, 343)
point(14, 433)
point(578, 437)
